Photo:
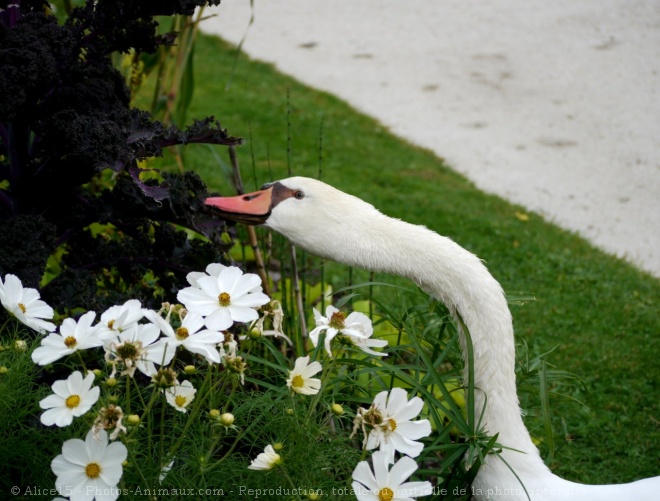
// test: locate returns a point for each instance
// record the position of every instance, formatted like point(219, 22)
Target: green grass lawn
point(599, 314)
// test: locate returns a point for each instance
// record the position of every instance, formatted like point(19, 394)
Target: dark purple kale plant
point(72, 192)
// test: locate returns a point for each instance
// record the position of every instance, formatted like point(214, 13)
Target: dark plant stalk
point(252, 234)
point(298, 296)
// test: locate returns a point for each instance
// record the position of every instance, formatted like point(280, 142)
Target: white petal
point(380, 400)
point(242, 313)
point(51, 401)
point(411, 409)
point(208, 351)
point(381, 462)
point(397, 400)
point(228, 277)
point(311, 369)
point(197, 300)
point(45, 355)
point(214, 269)
point(365, 476)
point(193, 322)
point(252, 300)
point(61, 388)
point(59, 465)
point(74, 452)
point(401, 471)
point(73, 481)
point(219, 319)
point(193, 276)
point(59, 416)
point(417, 489)
point(159, 322)
point(245, 284)
point(414, 429)
point(330, 310)
point(405, 445)
point(364, 494)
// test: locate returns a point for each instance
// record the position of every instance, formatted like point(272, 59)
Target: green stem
point(197, 405)
point(146, 411)
point(293, 486)
point(82, 362)
point(162, 433)
point(128, 394)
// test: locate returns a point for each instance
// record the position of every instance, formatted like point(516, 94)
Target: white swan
point(341, 227)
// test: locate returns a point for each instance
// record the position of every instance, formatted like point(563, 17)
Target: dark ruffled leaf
point(70, 154)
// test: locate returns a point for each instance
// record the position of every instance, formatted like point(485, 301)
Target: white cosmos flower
point(91, 468)
point(267, 460)
point(139, 347)
point(224, 299)
point(119, 318)
point(180, 395)
point(300, 378)
point(190, 335)
point(356, 326)
point(72, 397)
point(366, 345)
point(25, 304)
point(392, 428)
point(384, 483)
point(73, 336)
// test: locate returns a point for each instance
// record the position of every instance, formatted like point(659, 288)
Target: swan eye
point(299, 195)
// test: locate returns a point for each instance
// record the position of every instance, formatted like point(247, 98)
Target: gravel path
point(552, 105)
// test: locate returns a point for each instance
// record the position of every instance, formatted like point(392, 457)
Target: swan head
point(311, 214)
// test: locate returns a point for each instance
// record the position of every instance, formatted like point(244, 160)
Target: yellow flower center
point(391, 425)
point(111, 323)
point(298, 381)
point(93, 470)
point(180, 400)
point(181, 333)
point(224, 299)
point(385, 494)
point(22, 307)
point(70, 342)
point(73, 401)
point(337, 320)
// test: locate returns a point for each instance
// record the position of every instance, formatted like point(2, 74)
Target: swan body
point(338, 226)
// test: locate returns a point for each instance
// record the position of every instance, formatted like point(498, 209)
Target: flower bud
point(133, 420)
point(3, 370)
point(278, 446)
point(111, 382)
point(214, 414)
point(20, 345)
point(227, 419)
point(189, 369)
point(337, 409)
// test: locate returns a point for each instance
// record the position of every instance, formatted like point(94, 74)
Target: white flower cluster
point(387, 424)
point(133, 338)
